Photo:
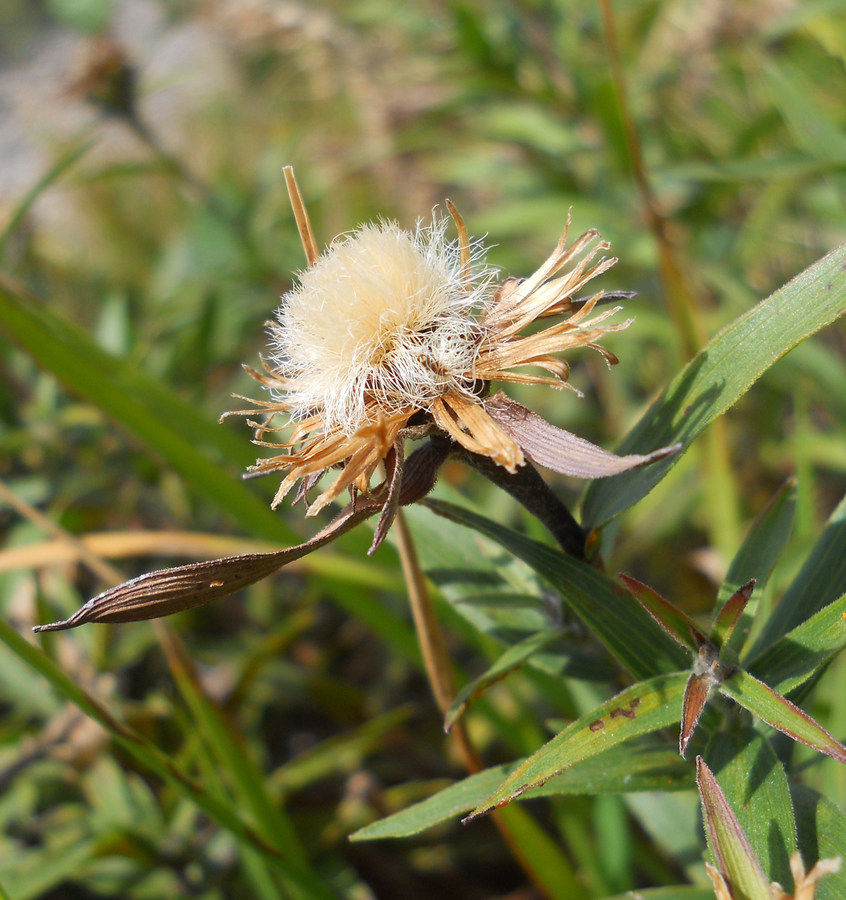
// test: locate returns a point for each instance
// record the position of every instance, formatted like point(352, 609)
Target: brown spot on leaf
point(598, 725)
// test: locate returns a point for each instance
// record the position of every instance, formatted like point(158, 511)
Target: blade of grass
point(719, 375)
point(780, 713)
point(228, 749)
point(821, 579)
point(150, 757)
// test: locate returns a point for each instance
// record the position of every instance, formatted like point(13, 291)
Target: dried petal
point(560, 450)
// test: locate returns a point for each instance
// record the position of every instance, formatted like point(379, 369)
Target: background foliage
point(155, 248)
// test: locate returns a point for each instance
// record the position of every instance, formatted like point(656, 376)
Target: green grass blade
point(757, 557)
point(150, 757)
point(627, 631)
point(756, 787)
point(779, 712)
point(719, 375)
point(49, 177)
point(196, 447)
point(802, 652)
point(247, 783)
point(642, 708)
point(643, 766)
point(821, 580)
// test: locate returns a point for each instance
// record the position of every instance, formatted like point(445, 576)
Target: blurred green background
point(142, 201)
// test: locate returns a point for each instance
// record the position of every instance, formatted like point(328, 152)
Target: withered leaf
point(560, 450)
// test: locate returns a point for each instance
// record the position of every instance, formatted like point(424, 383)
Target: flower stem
point(528, 488)
point(442, 682)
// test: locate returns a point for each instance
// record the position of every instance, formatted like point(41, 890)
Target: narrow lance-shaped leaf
point(762, 545)
point(779, 712)
point(674, 621)
point(719, 375)
point(736, 860)
point(645, 766)
point(757, 556)
point(792, 660)
point(644, 707)
point(727, 618)
point(821, 580)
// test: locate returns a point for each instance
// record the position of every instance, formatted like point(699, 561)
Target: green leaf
point(719, 375)
point(802, 652)
point(648, 765)
point(676, 623)
point(628, 632)
point(756, 788)
point(152, 758)
point(779, 712)
point(735, 858)
point(757, 556)
point(514, 657)
point(644, 707)
point(821, 580)
point(821, 825)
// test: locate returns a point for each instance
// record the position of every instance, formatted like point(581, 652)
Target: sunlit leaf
point(793, 659)
point(719, 375)
point(756, 787)
point(735, 857)
point(640, 709)
point(779, 712)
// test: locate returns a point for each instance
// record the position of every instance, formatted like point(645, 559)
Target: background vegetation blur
point(142, 203)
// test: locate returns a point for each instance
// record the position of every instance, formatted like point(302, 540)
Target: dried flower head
point(393, 334)
point(105, 76)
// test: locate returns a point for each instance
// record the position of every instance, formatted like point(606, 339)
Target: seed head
point(386, 320)
point(393, 334)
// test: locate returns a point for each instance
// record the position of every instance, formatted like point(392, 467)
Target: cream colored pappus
point(389, 325)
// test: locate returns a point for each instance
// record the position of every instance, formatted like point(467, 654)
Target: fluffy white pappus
point(385, 319)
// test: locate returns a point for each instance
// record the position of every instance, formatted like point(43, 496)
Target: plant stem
point(528, 488)
point(439, 672)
